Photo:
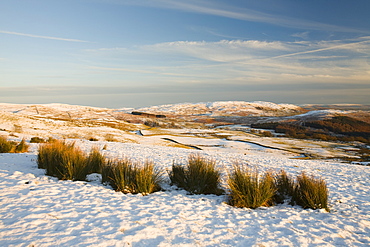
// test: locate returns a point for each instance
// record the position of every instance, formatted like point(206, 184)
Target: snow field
point(42, 211)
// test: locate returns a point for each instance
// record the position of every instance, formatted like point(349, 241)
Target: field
point(38, 210)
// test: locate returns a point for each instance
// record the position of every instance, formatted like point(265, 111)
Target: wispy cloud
point(41, 37)
point(333, 47)
point(227, 61)
point(220, 51)
point(302, 35)
point(214, 32)
point(235, 12)
point(137, 71)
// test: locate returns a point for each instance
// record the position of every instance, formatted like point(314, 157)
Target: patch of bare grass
point(95, 160)
point(7, 146)
point(128, 177)
point(62, 160)
point(310, 192)
point(199, 176)
point(21, 147)
point(284, 186)
point(248, 189)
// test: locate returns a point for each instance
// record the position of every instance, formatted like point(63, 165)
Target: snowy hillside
point(224, 108)
point(36, 210)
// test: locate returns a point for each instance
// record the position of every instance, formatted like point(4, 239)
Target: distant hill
point(226, 108)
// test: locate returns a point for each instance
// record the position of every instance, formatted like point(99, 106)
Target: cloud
point(235, 12)
point(41, 37)
point(214, 32)
point(303, 35)
point(137, 71)
point(242, 61)
point(347, 46)
point(221, 51)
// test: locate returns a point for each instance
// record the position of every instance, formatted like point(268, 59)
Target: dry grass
point(248, 189)
point(7, 146)
point(127, 177)
point(110, 138)
point(95, 160)
point(37, 140)
point(199, 176)
point(21, 147)
point(62, 160)
point(311, 192)
point(284, 186)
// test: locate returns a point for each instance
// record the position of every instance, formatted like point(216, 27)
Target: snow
point(37, 210)
point(223, 108)
point(324, 113)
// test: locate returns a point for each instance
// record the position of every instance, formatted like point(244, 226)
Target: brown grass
point(248, 189)
point(199, 176)
point(311, 192)
point(127, 177)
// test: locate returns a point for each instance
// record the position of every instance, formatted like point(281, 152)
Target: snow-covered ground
point(37, 210)
point(220, 108)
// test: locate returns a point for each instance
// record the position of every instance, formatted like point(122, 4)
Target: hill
point(38, 210)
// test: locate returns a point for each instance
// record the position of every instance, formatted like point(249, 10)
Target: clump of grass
point(75, 165)
point(147, 179)
point(178, 176)
point(51, 139)
point(118, 174)
point(18, 128)
point(284, 185)
point(199, 176)
point(6, 146)
point(62, 160)
point(127, 177)
point(107, 172)
point(110, 138)
point(310, 192)
point(37, 140)
point(95, 161)
point(248, 189)
point(21, 147)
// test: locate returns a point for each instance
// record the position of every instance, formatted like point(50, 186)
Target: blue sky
point(123, 53)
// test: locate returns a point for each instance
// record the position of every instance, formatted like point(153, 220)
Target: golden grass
point(311, 192)
point(127, 177)
point(199, 176)
point(248, 189)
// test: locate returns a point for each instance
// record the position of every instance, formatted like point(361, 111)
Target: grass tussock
point(67, 162)
point(36, 139)
point(199, 176)
point(128, 177)
point(7, 146)
point(21, 147)
point(284, 185)
point(62, 160)
point(95, 161)
point(248, 189)
point(310, 192)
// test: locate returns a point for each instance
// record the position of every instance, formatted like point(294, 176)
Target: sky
point(135, 53)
